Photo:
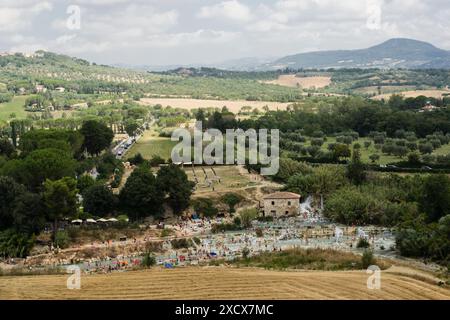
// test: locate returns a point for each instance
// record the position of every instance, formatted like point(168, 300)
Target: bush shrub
point(148, 260)
point(62, 239)
point(367, 259)
point(181, 243)
point(363, 243)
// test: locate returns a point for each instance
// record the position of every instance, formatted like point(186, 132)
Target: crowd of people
point(277, 236)
point(308, 230)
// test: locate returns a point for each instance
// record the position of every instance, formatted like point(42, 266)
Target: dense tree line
point(356, 114)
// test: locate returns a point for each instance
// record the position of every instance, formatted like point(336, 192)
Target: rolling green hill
point(80, 76)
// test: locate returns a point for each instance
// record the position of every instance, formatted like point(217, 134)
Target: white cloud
point(150, 31)
point(10, 19)
point(28, 48)
point(65, 38)
point(232, 10)
point(191, 38)
point(15, 18)
point(129, 20)
point(102, 2)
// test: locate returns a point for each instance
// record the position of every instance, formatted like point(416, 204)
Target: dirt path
point(221, 283)
point(127, 172)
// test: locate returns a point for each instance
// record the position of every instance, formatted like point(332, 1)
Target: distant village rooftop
point(282, 195)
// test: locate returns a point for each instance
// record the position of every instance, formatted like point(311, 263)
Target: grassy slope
point(14, 106)
point(444, 150)
point(150, 144)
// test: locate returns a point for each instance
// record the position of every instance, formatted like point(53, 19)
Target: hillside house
point(39, 88)
point(280, 204)
point(428, 107)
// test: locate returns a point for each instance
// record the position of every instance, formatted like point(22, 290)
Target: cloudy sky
point(209, 31)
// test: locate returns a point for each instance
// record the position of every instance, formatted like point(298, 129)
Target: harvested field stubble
point(221, 283)
point(291, 80)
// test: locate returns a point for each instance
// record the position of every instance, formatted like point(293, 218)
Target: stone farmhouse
point(280, 204)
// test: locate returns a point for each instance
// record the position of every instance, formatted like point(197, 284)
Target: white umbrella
point(77, 221)
point(102, 220)
point(113, 220)
point(91, 221)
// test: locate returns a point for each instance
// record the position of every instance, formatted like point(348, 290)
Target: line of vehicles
point(126, 144)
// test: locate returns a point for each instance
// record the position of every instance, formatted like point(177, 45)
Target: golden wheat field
point(221, 283)
point(291, 80)
point(438, 94)
point(232, 105)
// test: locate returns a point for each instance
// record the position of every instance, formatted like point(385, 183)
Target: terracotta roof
point(282, 195)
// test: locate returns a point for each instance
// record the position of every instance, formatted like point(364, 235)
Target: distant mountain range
point(394, 53)
point(391, 54)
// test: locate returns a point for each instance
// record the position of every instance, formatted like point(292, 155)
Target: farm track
point(221, 283)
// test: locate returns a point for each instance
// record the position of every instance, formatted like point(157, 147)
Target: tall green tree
point(29, 213)
point(10, 191)
point(174, 183)
point(141, 197)
point(99, 200)
point(66, 140)
point(434, 198)
point(40, 165)
point(84, 182)
point(356, 170)
point(6, 148)
point(131, 127)
point(60, 199)
point(97, 136)
point(231, 199)
point(200, 116)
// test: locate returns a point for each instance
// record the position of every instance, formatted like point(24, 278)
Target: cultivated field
point(415, 93)
point(384, 158)
point(232, 105)
point(290, 80)
point(385, 90)
point(221, 283)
